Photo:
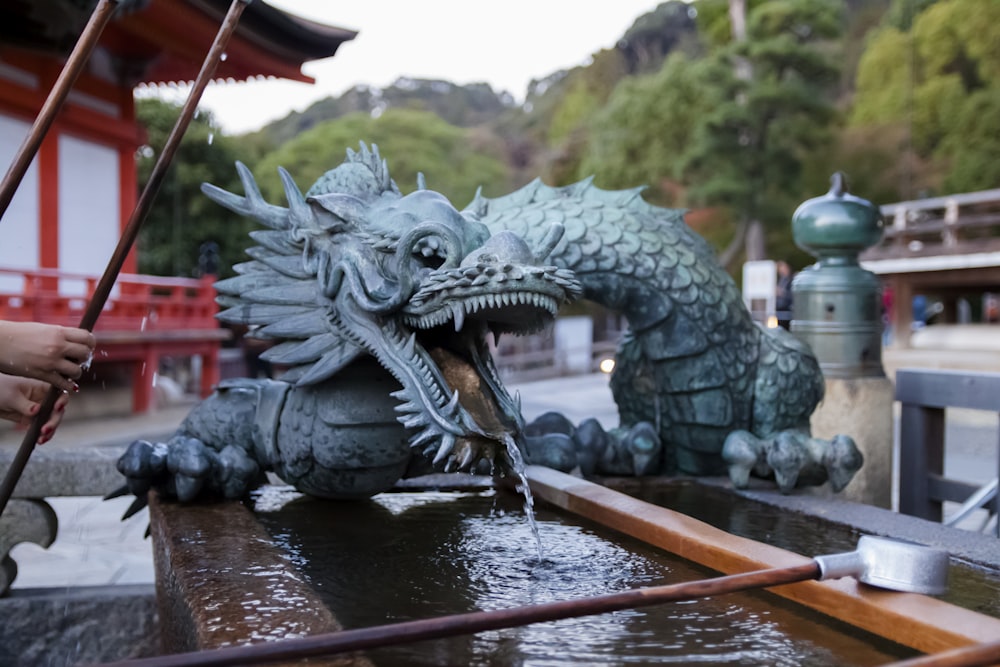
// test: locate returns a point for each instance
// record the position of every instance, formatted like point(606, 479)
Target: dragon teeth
point(447, 444)
point(414, 420)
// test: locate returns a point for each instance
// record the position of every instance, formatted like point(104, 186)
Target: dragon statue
point(381, 306)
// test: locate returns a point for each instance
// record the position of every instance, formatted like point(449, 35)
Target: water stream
point(524, 488)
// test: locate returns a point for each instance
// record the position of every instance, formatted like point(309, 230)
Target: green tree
point(182, 219)
point(455, 161)
point(934, 72)
point(974, 143)
point(749, 151)
point(641, 135)
point(902, 13)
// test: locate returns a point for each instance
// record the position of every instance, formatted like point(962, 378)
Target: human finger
point(55, 418)
point(78, 352)
point(80, 337)
point(63, 376)
point(68, 368)
point(22, 409)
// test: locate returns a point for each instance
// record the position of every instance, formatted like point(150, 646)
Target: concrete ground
point(94, 547)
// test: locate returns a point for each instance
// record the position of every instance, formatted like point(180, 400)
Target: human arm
point(21, 399)
point(47, 352)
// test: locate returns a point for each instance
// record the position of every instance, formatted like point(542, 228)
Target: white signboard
point(760, 288)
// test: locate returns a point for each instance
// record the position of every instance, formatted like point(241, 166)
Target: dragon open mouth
point(451, 315)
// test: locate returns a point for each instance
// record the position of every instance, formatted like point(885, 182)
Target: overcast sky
point(504, 43)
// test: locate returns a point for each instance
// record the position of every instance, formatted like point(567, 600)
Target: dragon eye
point(429, 251)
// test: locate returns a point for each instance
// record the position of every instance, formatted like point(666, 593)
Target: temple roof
point(165, 41)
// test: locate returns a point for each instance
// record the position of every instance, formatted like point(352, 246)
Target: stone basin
point(268, 548)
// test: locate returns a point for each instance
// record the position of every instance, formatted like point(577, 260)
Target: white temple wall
point(88, 208)
point(19, 229)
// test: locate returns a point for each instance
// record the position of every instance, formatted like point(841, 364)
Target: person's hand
point(21, 399)
point(46, 352)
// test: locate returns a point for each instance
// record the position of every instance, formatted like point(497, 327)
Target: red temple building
point(78, 194)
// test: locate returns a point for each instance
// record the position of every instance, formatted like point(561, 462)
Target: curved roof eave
point(268, 42)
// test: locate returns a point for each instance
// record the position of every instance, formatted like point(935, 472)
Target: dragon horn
point(252, 204)
point(386, 179)
point(299, 211)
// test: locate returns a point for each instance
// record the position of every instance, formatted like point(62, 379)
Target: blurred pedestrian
point(783, 294)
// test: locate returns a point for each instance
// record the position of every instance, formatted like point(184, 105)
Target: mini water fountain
point(381, 305)
point(386, 277)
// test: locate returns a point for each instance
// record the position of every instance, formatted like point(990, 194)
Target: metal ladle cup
point(892, 564)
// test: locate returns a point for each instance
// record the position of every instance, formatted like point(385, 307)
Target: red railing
point(138, 303)
point(146, 318)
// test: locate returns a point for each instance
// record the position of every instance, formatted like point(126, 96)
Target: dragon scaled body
point(368, 292)
point(718, 388)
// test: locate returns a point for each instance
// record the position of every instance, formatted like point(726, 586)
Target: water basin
point(971, 585)
point(415, 555)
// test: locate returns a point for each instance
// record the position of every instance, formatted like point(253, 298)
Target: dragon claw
point(793, 458)
point(184, 467)
point(787, 457)
point(743, 452)
point(186, 487)
point(122, 490)
point(553, 441)
point(137, 506)
point(842, 460)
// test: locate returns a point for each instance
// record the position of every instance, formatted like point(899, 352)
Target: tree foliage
point(468, 105)
point(641, 135)
point(182, 219)
point(455, 161)
point(669, 28)
point(748, 152)
point(934, 71)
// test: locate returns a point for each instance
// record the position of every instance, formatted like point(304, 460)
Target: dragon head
point(354, 267)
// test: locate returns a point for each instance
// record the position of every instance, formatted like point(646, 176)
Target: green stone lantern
point(837, 304)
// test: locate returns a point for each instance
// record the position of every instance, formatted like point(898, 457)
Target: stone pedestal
point(861, 408)
point(837, 313)
point(77, 625)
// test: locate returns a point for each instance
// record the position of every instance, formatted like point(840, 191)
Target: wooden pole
point(57, 96)
point(103, 289)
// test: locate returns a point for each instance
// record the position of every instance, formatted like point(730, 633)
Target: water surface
point(417, 555)
point(970, 585)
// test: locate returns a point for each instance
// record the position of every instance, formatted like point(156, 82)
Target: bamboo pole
point(103, 289)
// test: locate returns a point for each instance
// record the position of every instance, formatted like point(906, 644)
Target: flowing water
point(517, 463)
point(418, 555)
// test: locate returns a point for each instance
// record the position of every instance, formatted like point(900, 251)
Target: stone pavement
point(94, 547)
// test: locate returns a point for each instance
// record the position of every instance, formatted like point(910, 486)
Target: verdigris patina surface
point(354, 271)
